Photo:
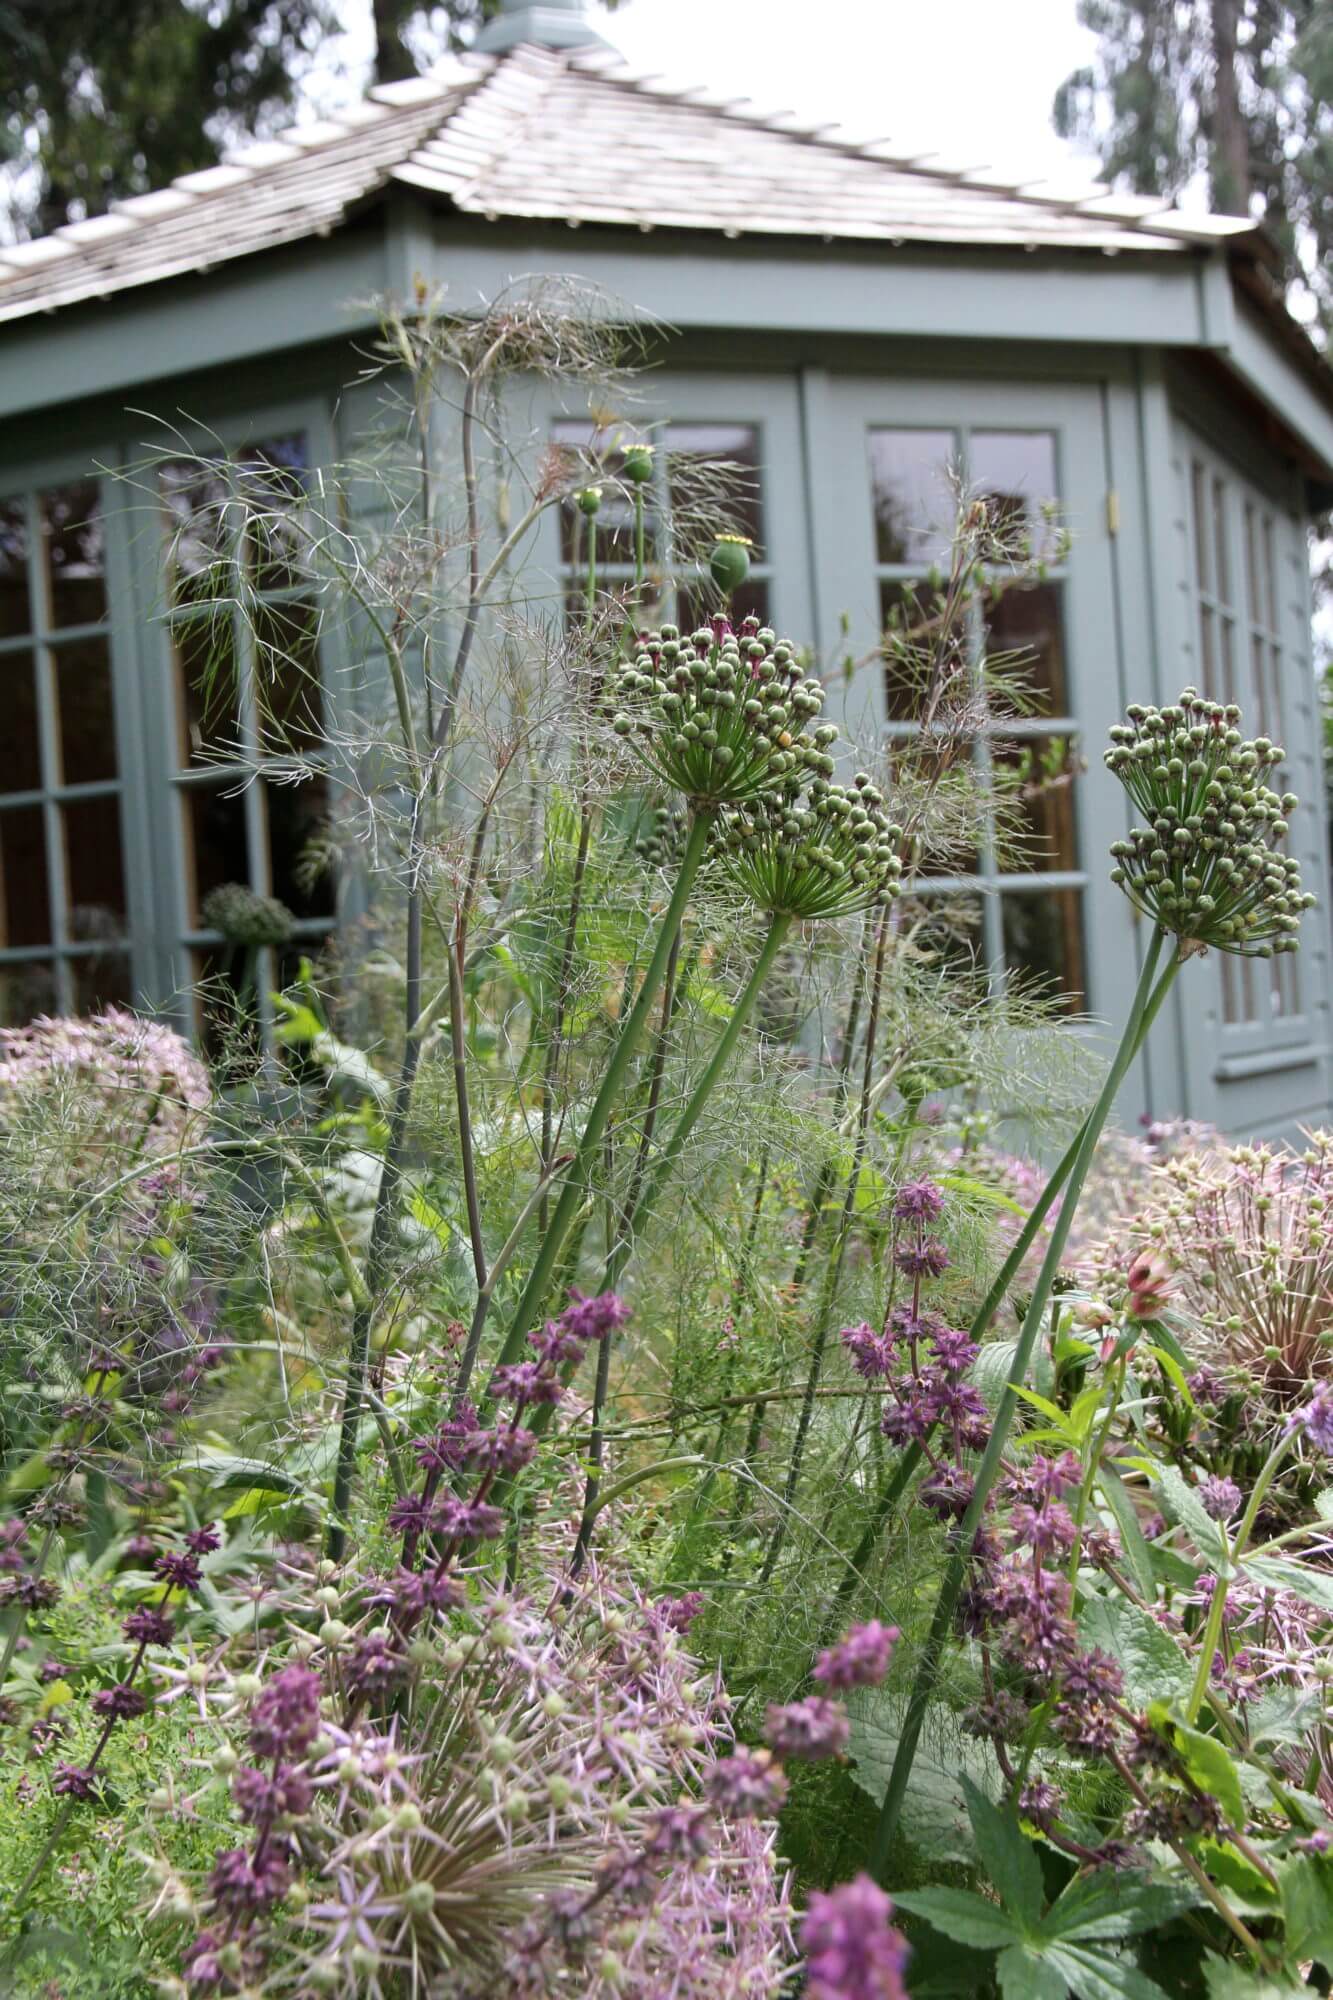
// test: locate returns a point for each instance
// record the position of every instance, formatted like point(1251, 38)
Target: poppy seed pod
point(638, 463)
point(729, 563)
point(589, 500)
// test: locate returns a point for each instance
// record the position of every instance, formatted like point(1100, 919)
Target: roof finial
point(554, 24)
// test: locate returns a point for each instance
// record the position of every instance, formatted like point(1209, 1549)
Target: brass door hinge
point(1112, 512)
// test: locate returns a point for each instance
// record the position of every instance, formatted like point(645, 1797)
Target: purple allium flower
point(525, 1382)
point(181, 1571)
point(928, 1259)
point(872, 1355)
point(746, 1783)
point(1221, 1497)
point(852, 1951)
point(1041, 1803)
point(244, 1881)
point(120, 1703)
point(148, 1626)
point(679, 1833)
point(203, 1541)
point(1319, 1842)
point(75, 1781)
point(1317, 1417)
point(918, 1201)
point(285, 1718)
point(807, 1730)
point(261, 1796)
point(861, 1659)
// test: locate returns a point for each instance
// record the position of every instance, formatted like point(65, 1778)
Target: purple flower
point(852, 1951)
point(507, 1450)
point(1041, 1803)
point(918, 1201)
point(593, 1319)
point(1093, 1676)
point(419, 1590)
point(1221, 1497)
point(679, 1833)
point(373, 1666)
point(203, 1541)
point(928, 1259)
point(466, 1520)
point(1042, 1529)
point(181, 1571)
point(411, 1514)
point(244, 1882)
point(261, 1797)
point(1044, 1479)
point(202, 1963)
point(859, 1660)
point(948, 1492)
point(75, 1781)
point(525, 1382)
point(1206, 1385)
point(872, 1355)
point(954, 1350)
point(679, 1613)
point(120, 1703)
point(555, 1343)
point(747, 1783)
point(149, 1627)
point(440, 1451)
point(285, 1718)
point(1317, 1418)
point(807, 1730)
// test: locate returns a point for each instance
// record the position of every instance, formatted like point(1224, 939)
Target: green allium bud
point(1206, 866)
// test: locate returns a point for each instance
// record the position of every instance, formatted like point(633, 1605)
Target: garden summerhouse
point(847, 320)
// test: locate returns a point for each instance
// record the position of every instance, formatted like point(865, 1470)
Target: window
point(705, 478)
point(63, 919)
point(1234, 538)
point(1031, 922)
point(247, 701)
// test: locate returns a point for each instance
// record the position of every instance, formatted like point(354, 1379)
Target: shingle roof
point(577, 137)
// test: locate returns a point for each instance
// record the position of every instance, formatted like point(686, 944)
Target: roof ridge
point(471, 138)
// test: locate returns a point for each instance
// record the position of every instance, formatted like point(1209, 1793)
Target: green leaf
point(1306, 1882)
point(1323, 1503)
point(934, 1819)
point(1007, 1856)
point(1137, 1554)
point(994, 1366)
point(1099, 1975)
point(1229, 1981)
point(1152, 1664)
point(1183, 1506)
point(1027, 1975)
point(1285, 1573)
point(1109, 1905)
point(961, 1915)
point(1175, 1374)
point(1208, 1761)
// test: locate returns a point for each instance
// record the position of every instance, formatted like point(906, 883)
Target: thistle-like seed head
point(1206, 866)
point(823, 852)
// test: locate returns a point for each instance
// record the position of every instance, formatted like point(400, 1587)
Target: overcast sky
point(960, 77)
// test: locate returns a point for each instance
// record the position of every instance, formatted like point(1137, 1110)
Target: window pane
point(93, 864)
point(25, 991)
point(25, 910)
point(1203, 569)
point(905, 614)
point(287, 690)
point(297, 830)
point(713, 481)
point(15, 608)
point(1030, 622)
point(87, 718)
point(20, 744)
point(216, 847)
point(1043, 940)
point(204, 650)
point(1015, 472)
point(947, 929)
point(101, 980)
point(200, 525)
point(1221, 561)
point(913, 496)
point(274, 476)
point(615, 519)
point(1034, 780)
point(75, 553)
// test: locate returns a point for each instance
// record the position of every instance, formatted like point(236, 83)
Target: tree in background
point(100, 99)
point(1229, 95)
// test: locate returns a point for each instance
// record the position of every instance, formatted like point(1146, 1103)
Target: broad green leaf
point(1027, 1975)
point(1137, 1556)
point(1208, 1761)
point(1083, 1411)
point(1109, 1905)
point(961, 1915)
point(993, 1369)
point(1183, 1506)
point(933, 1819)
point(1175, 1373)
point(1248, 1892)
point(986, 1193)
point(1323, 1503)
point(1228, 1980)
point(1056, 1417)
point(1286, 1573)
point(1306, 1883)
point(1152, 1664)
point(1007, 1856)
point(1096, 1974)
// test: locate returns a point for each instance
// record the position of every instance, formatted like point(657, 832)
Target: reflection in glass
point(27, 988)
point(25, 908)
point(204, 648)
point(20, 742)
point(1014, 471)
point(87, 716)
point(75, 553)
point(216, 846)
point(95, 877)
point(1030, 622)
point(913, 495)
point(201, 526)
point(273, 479)
point(101, 979)
point(1034, 779)
point(713, 482)
point(1043, 941)
point(298, 828)
point(15, 605)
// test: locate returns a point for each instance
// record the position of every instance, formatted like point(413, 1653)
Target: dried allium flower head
point(826, 854)
point(115, 1061)
point(1206, 867)
point(720, 716)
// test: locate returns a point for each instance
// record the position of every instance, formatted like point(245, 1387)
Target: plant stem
point(1212, 1631)
point(928, 1671)
point(572, 1194)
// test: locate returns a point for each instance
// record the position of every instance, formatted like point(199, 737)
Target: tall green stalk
point(927, 1675)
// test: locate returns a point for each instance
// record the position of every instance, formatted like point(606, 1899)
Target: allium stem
point(571, 1195)
point(1212, 1631)
point(928, 1671)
